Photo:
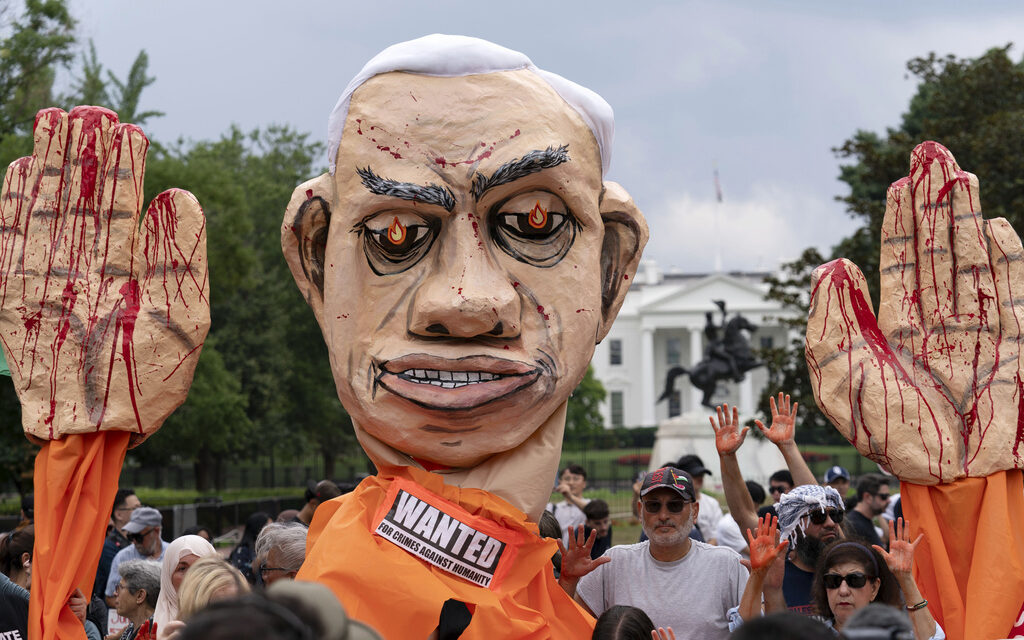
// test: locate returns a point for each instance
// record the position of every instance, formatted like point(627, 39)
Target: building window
point(766, 342)
point(675, 404)
point(673, 351)
point(616, 399)
point(615, 351)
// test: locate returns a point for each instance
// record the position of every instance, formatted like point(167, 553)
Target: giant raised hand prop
point(463, 257)
point(932, 389)
point(102, 321)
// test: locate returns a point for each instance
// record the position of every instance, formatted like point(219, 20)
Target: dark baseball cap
point(693, 465)
point(669, 478)
point(835, 473)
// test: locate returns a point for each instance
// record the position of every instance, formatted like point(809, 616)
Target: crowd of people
point(816, 561)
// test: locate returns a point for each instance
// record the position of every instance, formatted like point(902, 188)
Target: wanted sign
point(439, 534)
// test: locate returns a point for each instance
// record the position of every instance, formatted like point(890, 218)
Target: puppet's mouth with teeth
point(448, 379)
point(456, 384)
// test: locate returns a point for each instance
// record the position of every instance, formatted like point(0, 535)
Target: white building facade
point(661, 325)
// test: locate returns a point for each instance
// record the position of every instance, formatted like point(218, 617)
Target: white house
point(661, 324)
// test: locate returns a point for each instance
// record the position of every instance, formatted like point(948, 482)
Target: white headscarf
point(167, 603)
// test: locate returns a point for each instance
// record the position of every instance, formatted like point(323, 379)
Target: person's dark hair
point(196, 529)
point(574, 468)
point(870, 483)
point(783, 626)
point(120, 497)
point(549, 527)
point(874, 566)
point(323, 491)
point(13, 545)
point(782, 475)
point(254, 617)
point(765, 510)
point(596, 510)
point(880, 621)
point(757, 493)
point(253, 525)
point(623, 623)
point(28, 504)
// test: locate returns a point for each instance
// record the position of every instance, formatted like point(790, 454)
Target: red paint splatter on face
point(359, 126)
point(394, 154)
point(514, 134)
point(625, 276)
point(515, 285)
point(309, 194)
point(540, 310)
point(505, 347)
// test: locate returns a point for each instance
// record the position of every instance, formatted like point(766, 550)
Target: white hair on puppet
point(794, 506)
point(448, 56)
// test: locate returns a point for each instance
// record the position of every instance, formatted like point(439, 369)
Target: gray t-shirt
point(693, 595)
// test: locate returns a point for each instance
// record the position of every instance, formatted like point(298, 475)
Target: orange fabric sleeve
point(75, 482)
point(970, 564)
point(401, 595)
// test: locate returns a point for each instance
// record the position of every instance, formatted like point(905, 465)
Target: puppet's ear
point(625, 234)
point(307, 221)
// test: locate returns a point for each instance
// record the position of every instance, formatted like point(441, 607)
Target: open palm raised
point(102, 321)
point(932, 389)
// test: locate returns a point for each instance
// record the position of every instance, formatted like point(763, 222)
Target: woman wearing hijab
point(179, 556)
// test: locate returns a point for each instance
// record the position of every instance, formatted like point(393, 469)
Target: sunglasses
point(856, 580)
point(818, 516)
point(674, 506)
point(883, 496)
point(777, 488)
point(139, 537)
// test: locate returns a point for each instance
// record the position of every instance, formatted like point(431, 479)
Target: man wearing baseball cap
point(839, 479)
point(143, 530)
point(668, 568)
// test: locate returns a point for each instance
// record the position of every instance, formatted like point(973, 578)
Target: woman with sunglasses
point(851, 575)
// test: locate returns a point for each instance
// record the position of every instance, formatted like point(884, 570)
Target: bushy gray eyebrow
point(428, 194)
point(532, 162)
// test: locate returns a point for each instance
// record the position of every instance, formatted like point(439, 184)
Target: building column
point(747, 396)
point(647, 383)
point(696, 354)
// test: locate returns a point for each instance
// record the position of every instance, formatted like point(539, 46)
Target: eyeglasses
point(777, 488)
point(674, 506)
point(818, 516)
point(264, 570)
point(856, 580)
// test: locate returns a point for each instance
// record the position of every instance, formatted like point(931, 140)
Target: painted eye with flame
point(394, 241)
point(535, 228)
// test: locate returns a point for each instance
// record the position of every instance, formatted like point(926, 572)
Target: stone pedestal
point(692, 433)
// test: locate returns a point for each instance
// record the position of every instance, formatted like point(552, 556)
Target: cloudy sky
point(762, 90)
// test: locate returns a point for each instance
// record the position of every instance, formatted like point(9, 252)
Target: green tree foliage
point(265, 334)
point(33, 45)
point(121, 96)
point(583, 416)
point(975, 107)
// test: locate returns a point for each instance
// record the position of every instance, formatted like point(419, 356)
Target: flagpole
point(718, 210)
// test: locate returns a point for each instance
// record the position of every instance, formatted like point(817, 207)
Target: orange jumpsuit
point(400, 593)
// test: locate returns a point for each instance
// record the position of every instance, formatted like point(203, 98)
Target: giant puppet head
point(463, 256)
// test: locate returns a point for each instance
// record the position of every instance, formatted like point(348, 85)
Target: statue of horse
point(730, 357)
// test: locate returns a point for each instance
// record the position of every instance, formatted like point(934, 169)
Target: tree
point(32, 47)
point(583, 416)
point(975, 107)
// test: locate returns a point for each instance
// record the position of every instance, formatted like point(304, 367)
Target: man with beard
point(666, 569)
point(809, 516)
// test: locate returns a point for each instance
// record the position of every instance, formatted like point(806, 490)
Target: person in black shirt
point(872, 498)
point(598, 519)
